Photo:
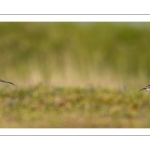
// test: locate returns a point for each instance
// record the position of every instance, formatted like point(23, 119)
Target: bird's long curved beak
point(10, 83)
point(2, 81)
point(142, 89)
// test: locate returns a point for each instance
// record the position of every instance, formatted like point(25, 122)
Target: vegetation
point(74, 75)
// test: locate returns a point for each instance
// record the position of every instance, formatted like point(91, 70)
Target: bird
point(2, 81)
point(147, 88)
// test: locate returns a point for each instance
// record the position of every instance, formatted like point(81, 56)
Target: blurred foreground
point(53, 107)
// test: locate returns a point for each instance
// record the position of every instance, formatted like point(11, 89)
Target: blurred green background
point(107, 55)
point(74, 74)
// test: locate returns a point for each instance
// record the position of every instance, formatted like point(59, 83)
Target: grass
point(75, 54)
point(74, 75)
point(43, 106)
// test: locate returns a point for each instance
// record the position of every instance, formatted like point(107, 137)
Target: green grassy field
point(74, 75)
point(45, 107)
